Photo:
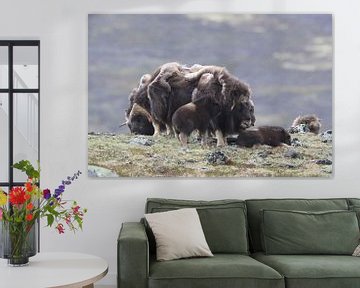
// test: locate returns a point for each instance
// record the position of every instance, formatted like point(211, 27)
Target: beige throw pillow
point(178, 234)
point(357, 251)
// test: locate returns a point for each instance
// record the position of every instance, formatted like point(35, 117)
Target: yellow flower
point(3, 198)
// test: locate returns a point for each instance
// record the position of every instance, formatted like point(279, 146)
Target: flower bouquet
point(21, 208)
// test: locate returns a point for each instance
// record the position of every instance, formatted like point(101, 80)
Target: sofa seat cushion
point(222, 270)
point(313, 271)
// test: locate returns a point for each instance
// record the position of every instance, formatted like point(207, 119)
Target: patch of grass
point(166, 158)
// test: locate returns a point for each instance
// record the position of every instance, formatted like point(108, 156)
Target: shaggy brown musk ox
point(311, 121)
point(207, 112)
point(237, 109)
point(140, 121)
point(263, 135)
point(138, 117)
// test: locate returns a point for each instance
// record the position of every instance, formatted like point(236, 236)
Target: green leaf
point(28, 168)
point(50, 219)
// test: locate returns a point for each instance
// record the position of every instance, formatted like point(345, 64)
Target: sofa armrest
point(133, 256)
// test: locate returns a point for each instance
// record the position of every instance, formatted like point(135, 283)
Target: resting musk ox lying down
point(263, 135)
point(171, 86)
point(311, 121)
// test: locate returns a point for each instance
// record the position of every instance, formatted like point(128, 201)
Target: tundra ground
point(165, 158)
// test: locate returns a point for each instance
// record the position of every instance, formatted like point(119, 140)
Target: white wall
point(61, 25)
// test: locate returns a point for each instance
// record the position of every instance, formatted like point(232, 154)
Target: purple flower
point(68, 181)
point(46, 194)
point(58, 192)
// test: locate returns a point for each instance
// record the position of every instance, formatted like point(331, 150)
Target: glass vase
point(18, 242)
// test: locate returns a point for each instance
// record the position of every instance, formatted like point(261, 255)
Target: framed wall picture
point(210, 95)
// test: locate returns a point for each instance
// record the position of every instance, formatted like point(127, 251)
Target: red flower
point(28, 186)
point(68, 219)
point(75, 209)
point(29, 206)
point(27, 196)
point(17, 196)
point(29, 217)
point(60, 228)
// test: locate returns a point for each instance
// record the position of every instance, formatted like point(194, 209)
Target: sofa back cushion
point(223, 221)
point(353, 202)
point(255, 206)
point(298, 232)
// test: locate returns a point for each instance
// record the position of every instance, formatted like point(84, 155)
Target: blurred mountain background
point(286, 59)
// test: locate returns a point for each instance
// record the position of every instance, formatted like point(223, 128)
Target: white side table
point(50, 270)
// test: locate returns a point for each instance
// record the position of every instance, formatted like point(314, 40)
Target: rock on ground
point(218, 158)
point(326, 137)
point(96, 171)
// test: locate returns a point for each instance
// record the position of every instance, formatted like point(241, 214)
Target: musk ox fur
point(207, 89)
point(200, 113)
point(168, 91)
point(311, 121)
point(263, 135)
point(139, 94)
point(233, 90)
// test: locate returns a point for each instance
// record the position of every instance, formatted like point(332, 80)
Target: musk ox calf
point(190, 117)
point(311, 121)
point(263, 135)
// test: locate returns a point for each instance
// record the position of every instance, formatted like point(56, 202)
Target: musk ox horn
point(236, 101)
point(233, 105)
point(123, 124)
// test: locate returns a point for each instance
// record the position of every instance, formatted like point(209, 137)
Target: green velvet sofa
point(234, 230)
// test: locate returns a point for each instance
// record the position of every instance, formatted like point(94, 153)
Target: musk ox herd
point(179, 99)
